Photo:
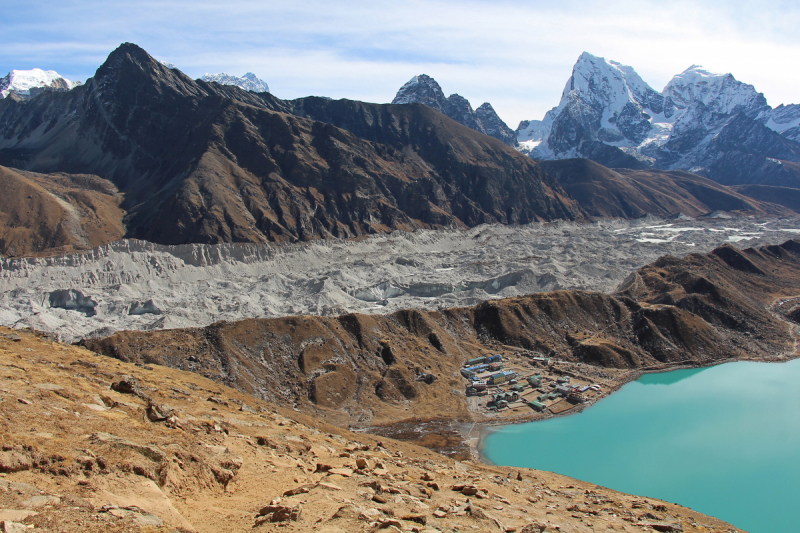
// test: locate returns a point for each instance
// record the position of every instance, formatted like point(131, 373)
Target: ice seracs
point(27, 83)
point(248, 82)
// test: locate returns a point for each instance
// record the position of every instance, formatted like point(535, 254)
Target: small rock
point(391, 522)
point(13, 527)
point(362, 463)
point(469, 490)
point(477, 512)
point(370, 515)
point(127, 385)
point(418, 518)
point(329, 486)
point(23, 401)
point(344, 472)
point(158, 413)
point(346, 512)
point(303, 489)
point(280, 513)
point(217, 400)
point(427, 476)
point(439, 513)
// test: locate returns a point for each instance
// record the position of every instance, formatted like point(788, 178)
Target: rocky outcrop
point(423, 89)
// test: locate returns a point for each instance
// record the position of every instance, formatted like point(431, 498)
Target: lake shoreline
point(703, 437)
point(476, 436)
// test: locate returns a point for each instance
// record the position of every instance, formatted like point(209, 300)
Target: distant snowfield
point(142, 286)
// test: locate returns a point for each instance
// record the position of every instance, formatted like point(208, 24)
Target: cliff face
point(207, 163)
point(359, 370)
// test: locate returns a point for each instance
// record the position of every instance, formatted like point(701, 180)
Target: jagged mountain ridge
point(707, 123)
point(203, 162)
point(425, 90)
point(27, 83)
point(248, 82)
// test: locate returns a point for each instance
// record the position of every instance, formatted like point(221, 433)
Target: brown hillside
point(56, 213)
point(626, 193)
point(785, 196)
point(360, 370)
point(91, 444)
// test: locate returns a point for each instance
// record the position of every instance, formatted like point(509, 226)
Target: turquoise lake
point(724, 441)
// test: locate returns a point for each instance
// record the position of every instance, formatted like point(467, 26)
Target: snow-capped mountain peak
point(602, 101)
point(721, 93)
point(421, 89)
point(21, 82)
point(702, 121)
point(248, 82)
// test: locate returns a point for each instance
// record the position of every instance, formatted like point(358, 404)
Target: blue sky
point(516, 55)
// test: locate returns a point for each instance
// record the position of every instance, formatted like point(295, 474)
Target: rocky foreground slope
point(360, 370)
point(92, 444)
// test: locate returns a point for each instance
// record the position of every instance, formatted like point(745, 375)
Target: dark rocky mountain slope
point(202, 162)
point(360, 370)
point(785, 196)
point(626, 193)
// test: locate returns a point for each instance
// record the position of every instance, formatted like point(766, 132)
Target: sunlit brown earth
point(56, 213)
